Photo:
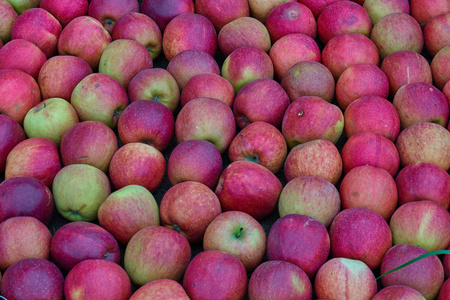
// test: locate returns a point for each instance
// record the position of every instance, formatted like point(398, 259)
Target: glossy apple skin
point(109, 11)
point(23, 55)
point(398, 292)
point(378, 9)
point(160, 289)
point(436, 33)
point(66, 10)
point(11, 133)
point(26, 196)
point(222, 12)
point(162, 12)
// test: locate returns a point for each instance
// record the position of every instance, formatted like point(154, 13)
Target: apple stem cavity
point(300, 113)
point(156, 98)
point(177, 228)
point(239, 233)
point(253, 158)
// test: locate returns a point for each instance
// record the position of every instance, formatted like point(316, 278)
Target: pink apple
point(66, 10)
point(163, 11)
point(22, 55)
point(423, 12)
point(398, 292)
point(109, 11)
point(222, 12)
point(444, 292)
point(317, 6)
point(11, 133)
point(446, 91)
point(261, 9)
point(9, 16)
point(440, 67)
point(160, 289)
point(378, 9)
point(436, 33)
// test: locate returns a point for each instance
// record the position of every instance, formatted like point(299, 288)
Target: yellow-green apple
point(423, 181)
point(26, 196)
point(428, 142)
point(426, 275)
point(444, 292)
point(398, 292)
point(182, 34)
point(207, 85)
point(422, 11)
point(34, 157)
point(99, 97)
point(201, 281)
point(249, 187)
point(22, 55)
point(246, 64)
point(310, 196)
point(20, 92)
point(239, 234)
point(22, 5)
point(109, 11)
point(206, 119)
point(160, 289)
point(128, 210)
point(97, 279)
point(343, 276)
point(369, 187)
point(23, 237)
point(291, 49)
point(11, 133)
point(189, 63)
point(78, 241)
point(195, 160)
point(123, 59)
point(45, 36)
point(361, 80)
point(436, 33)
point(421, 223)
point(9, 16)
point(405, 67)
point(50, 119)
point(89, 142)
point(372, 113)
point(222, 12)
point(156, 252)
point(373, 149)
point(243, 32)
point(137, 163)
point(278, 279)
point(263, 100)
point(290, 17)
point(380, 8)
point(319, 158)
point(262, 143)
point(66, 10)
point(316, 6)
point(310, 118)
point(188, 208)
point(163, 11)
point(261, 9)
point(148, 33)
point(440, 67)
point(420, 102)
point(33, 278)
point(300, 240)
point(86, 38)
point(308, 78)
point(79, 190)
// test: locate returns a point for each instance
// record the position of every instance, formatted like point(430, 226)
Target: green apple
point(22, 5)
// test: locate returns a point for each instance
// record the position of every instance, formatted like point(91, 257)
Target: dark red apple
point(109, 11)
point(11, 133)
point(162, 12)
point(222, 12)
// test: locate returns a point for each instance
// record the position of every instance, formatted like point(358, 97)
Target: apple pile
point(224, 149)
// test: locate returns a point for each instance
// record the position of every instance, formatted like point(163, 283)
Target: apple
point(369, 187)
point(11, 133)
point(137, 163)
point(147, 121)
point(310, 196)
point(398, 292)
point(128, 210)
point(377, 9)
point(343, 276)
point(79, 190)
point(156, 252)
point(163, 11)
point(108, 11)
point(308, 78)
point(9, 16)
point(201, 281)
point(222, 12)
point(22, 55)
point(259, 142)
point(160, 289)
point(317, 6)
point(97, 279)
point(23, 237)
point(33, 278)
point(91, 143)
point(65, 11)
point(261, 9)
point(300, 240)
point(440, 67)
point(319, 158)
point(446, 91)
point(423, 12)
point(249, 187)
point(436, 33)
point(279, 280)
point(22, 5)
point(444, 292)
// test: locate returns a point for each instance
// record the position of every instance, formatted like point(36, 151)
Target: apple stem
point(177, 228)
point(45, 105)
point(238, 235)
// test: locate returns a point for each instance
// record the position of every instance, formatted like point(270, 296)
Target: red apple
point(22, 55)
point(11, 133)
point(444, 292)
point(9, 16)
point(66, 10)
point(380, 8)
point(436, 33)
point(261, 9)
point(160, 289)
point(440, 67)
point(222, 12)
point(423, 12)
point(398, 292)
point(163, 11)
point(109, 11)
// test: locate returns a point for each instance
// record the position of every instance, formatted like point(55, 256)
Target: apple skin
point(279, 280)
point(23, 237)
point(398, 292)
point(339, 276)
point(33, 278)
point(34, 157)
point(160, 289)
point(444, 292)
point(97, 279)
point(310, 196)
point(11, 133)
point(249, 187)
point(195, 160)
point(162, 12)
point(109, 11)
point(369, 187)
point(26, 196)
point(300, 240)
point(79, 241)
point(239, 234)
point(147, 121)
point(66, 10)
point(22, 55)
point(156, 252)
point(50, 119)
point(222, 12)
point(201, 281)
point(259, 142)
point(22, 5)
point(9, 16)
point(317, 6)
point(423, 12)
point(128, 210)
point(261, 9)
point(377, 9)
point(79, 190)
point(137, 163)
point(91, 143)
point(426, 275)
point(440, 67)
point(436, 33)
